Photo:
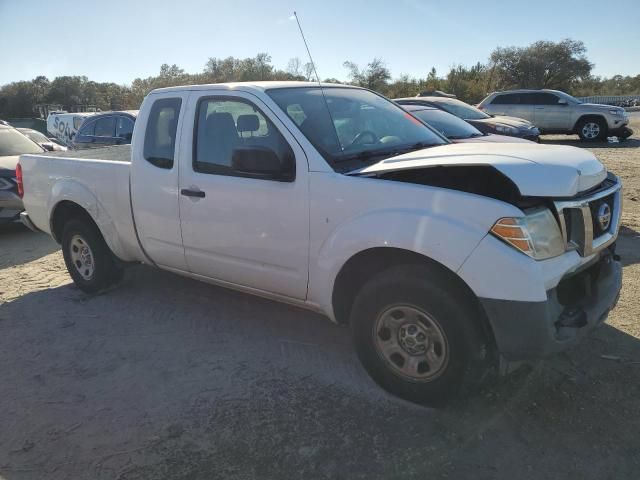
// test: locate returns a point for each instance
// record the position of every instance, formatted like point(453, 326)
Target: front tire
point(89, 261)
point(592, 130)
point(417, 335)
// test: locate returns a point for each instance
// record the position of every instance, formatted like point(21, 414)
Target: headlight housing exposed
point(506, 129)
point(537, 234)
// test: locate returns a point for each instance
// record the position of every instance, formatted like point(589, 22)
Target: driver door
point(237, 228)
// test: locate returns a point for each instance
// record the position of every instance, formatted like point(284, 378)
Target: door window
point(506, 99)
point(160, 135)
point(105, 127)
point(225, 124)
point(543, 98)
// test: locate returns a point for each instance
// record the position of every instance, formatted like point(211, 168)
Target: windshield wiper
point(368, 154)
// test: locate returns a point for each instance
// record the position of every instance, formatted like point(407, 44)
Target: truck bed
point(96, 179)
point(119, 153)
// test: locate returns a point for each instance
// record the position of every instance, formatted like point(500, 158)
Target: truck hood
point(537, 170)
point(9, 162)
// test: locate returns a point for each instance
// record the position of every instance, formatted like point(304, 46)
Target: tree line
point(559, 65)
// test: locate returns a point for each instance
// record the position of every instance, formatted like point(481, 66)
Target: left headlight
point(537, 234)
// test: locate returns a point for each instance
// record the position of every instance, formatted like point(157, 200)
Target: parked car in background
point(553, 111)
point(105, 129)
point(49, 144)
point(445, 260)
point(500, 125)
point(63, 126)
point(454, 128)
point(12, 144)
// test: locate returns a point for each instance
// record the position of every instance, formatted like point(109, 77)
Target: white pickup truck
point(446, 260)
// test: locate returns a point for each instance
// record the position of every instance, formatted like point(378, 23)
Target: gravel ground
point(166, 377)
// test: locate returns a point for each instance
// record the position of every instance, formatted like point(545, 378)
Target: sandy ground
point(166, 377)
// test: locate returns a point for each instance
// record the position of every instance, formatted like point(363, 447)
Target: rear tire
point(89, 261)
point(592, 130)
point(418, 336)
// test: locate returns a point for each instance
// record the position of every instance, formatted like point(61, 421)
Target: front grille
point(580, 221)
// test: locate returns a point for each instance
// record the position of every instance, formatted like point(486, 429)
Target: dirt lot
point(170, 378)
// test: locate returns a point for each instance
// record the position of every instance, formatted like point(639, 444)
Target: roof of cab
point(262, 86)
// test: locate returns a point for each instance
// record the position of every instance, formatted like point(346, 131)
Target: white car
point(446, 260)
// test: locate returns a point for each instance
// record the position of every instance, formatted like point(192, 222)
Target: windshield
point(462, 110)
point(36, 136)
point(12, 142)
point(448, 125)
point(568, 97)
point(362, 125)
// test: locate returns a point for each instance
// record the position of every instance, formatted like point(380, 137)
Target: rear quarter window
point(160, 134)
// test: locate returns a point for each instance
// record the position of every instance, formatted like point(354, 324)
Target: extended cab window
point(105, 127)
point(160, 136)
point(225, 125)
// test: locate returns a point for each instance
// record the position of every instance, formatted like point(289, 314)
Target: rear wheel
point(89, 261)
point(592, 129)
point(417, 335)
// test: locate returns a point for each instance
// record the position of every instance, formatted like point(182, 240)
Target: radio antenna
point(313, 64)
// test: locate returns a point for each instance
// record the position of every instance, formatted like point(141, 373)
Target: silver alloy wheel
point(591, 130)
point(411, 342)
point(82, 257)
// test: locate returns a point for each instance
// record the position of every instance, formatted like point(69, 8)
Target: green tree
point(543, 64)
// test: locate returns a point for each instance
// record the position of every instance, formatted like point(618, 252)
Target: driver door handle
point(192, 193)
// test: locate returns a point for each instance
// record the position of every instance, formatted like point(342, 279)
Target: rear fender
point(73, 191)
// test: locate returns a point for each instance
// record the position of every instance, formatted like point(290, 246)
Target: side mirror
point(47, 146)
point(562, 102)
point(262, 162)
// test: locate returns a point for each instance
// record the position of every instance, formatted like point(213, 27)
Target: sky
point(118, 41)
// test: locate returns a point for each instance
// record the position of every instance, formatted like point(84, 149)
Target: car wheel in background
point(592, 129)
point(89, 261)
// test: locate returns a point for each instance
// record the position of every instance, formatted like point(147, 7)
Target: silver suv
point(553, 111)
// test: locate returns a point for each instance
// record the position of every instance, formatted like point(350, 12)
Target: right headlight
point(537, 234)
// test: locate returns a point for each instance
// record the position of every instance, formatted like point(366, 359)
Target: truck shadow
point(32, 245)
point(166, 377)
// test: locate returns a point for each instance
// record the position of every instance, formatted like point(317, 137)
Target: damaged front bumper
point(580, 302)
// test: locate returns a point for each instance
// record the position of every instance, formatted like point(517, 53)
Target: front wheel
point(417, 335)
point(89, 261)
point(592, 129)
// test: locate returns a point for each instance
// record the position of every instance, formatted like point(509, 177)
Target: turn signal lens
point(514, 234)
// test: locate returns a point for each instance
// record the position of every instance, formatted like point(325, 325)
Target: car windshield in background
point(462, 110)
point(361, 124)
point(13, 142)
point(448, 125)
point(36, 136)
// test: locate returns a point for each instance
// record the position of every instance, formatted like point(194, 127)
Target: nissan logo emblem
point(604, 216)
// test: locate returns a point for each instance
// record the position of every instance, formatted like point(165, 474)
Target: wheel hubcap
point(411, 342)
point(591, 130)
point(82, 257)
